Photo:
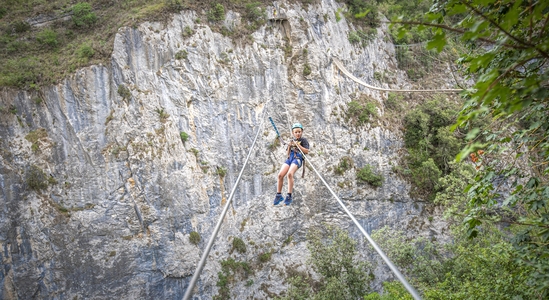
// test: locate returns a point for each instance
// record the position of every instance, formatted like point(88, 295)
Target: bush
point(82, 15)
point(239, 245)
point(426, 176)
point(345, 163)
point(36, 179)
point(265, 257)
point(124, 92)
point(332, 254)
point(174, 5)
point(21, 26)
point(47, 37)
point(354, 38)
point(162, 114)
point(254, 12)
point(221, 172)
point(216, 13)
point(194, 237)
point(20, 72)
point(361, 113)
point(85, 51)
point(184, 136)
point(367, 175)
point(34, 136)
point(393, 101)
point(306, 70)
point(230, 271)
point(182, 54)
point(3, 11)
point(187, 31)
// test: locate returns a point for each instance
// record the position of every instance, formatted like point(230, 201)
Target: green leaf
point(468, 149)
point(472, 134)
point(431, 16)
point(438, 42)
point(484, 2)
point(512, 16)
point(457, 9)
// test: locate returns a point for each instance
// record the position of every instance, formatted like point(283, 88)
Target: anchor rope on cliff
point(340, 66)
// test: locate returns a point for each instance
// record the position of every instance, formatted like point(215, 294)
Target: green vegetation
point(221, 171)
point(255, 13)
point(48, 38)
point(195, 152)
point(367, 175)
point(194, 237)
point(431, 145)
point(216, 13)
point(82, 15)
point(505, 123)
point(184, 136)
point(35, 136)
point(393, 101)
point(333, 255)
point(36, 179)
point(162, 114)
point(485, 268)
point(306, 69)
point(85, 51)
point(238, 245)
point(338, 15)
point(362, 37)
point(187, 31)
point(345, 163)
point(363, 13)
point(181, 54)
point(124, 92)
point(360, 111)
point(30, 55)
point(231, 271)
point(265, 257)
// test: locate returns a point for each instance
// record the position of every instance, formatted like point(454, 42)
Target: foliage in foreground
point(507, 59)
point(481, 269)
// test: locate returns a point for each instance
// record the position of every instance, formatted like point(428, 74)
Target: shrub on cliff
point(82, 15)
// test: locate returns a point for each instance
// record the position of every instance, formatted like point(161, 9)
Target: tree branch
point(460, 31)
point(516, 39)
point(544, 25)
point(500, 77)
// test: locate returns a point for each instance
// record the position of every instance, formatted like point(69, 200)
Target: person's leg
point(281, 174)
point(293, 168)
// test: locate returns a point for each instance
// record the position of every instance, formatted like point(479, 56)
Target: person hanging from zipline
point(293, 162)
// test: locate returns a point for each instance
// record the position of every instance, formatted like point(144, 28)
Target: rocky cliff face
point(124, 191)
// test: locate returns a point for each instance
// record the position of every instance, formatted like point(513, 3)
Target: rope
point(352, 77)
point(189, 291)
point(393, 268)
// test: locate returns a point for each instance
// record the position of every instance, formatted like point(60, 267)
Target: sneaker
point(278, 199)
point(288, 200)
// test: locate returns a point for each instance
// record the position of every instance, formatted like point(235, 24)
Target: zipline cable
point(352, 77)
point(393, 268)
point(194, 279)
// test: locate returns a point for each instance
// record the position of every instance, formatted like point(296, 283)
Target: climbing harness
point(292, 153)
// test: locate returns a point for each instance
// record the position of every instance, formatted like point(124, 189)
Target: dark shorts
point(294, 160)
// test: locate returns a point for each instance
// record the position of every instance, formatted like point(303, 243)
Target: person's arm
point(305, 150)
